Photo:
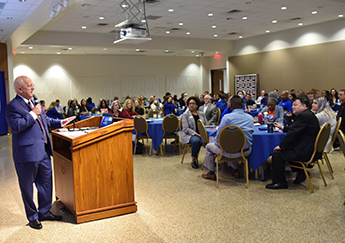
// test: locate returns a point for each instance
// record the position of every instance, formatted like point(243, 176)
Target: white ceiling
point(67, 25)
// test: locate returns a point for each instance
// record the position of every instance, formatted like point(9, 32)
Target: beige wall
point(319, 66)
point(104, 76)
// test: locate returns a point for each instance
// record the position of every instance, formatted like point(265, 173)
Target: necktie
point(41, 124)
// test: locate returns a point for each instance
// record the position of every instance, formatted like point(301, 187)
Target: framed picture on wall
point(249, 83)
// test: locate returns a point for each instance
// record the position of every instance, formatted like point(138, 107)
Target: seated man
point(209, 110)
point(297, 145)
point(220, 102)
point(264, 100)
point(273, 109)
point(285, 101)
point(236, 117)
point(248, 102)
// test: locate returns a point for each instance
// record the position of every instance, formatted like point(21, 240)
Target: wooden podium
point(94, 171)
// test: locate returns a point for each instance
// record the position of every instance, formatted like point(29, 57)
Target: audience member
point(248, 103)
point(43, 103)
point(52, 112)
point(220, 102)
point(273, 109)
point(210, 111)
point(170, 107)
point(310, 95)
point(292, 97)
point(115, 109)
point(264, 100)
point(341, 112)
point(285, 102)
point(181, 100)
point(317, 93)
point(84, 109)
point(324, 113)
point(128, 109)
point(190, 132)
point(202, 100)
point(236, 117)
point(297, 145)
point(72, 110)
point(58, 106)
point(103, 107)
point(139, 107)
point(89, 103)
point(262, 96)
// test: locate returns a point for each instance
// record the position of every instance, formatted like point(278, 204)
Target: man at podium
point(31, 148)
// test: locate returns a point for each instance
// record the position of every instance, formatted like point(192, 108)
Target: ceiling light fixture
point(217, 52)
point(58, 53)
point(137, 49)
point(83, 27)
point(244, 18)
point(22, 52)
point(10, 18)
point(314, 12)
point(187, 33)
point(30, 47)
point(192, 51)
point(104, 49)
point(166, 50)
point(143, 21)
point(198, 55)
point(341, 15)
point(215, 36)
point(167, 32)
point(210, 14)
point(300, 24)
point(171, 10)
point(274, 21)
point(70, 48)
point(59, 7)
point(180, 23)
point(240, 37)
point(213, 26)
point(283, 8)
point(101, 17)
point(267, 31)
point(65, 3)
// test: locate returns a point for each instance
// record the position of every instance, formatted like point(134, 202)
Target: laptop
point(107, 119)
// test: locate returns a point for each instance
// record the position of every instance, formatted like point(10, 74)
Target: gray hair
point(273, 99)
point(19, 82)
point(325, 108)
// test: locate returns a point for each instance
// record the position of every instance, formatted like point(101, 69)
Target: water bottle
point(260, 118)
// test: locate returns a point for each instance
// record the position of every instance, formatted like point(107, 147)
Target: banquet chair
point(319, 146)
point(219, 114)
point(204, 137)
point(232, 139)
point(140, 126)
point(186, 145)
point(151, 112)
point(170, 126)
point(325, 157)
point(94, 110)
point(341, 139)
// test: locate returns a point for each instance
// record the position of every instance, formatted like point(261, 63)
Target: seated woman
point(115, 109)
point(324, 113)
point(103, 107)
point(89, 103)
point(190, 132)
point(84, 109)
point(156, 105)
point(170, 107)
point(128, 110)
point(72, 110)
point(273, 109)
point(53, 113)
point(138, 106)
point(264, 100)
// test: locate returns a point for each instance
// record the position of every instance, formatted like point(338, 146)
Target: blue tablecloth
point(263, 144)
point(255, 112)
point(179, 112)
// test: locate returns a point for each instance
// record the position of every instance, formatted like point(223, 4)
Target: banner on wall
point(249, 83)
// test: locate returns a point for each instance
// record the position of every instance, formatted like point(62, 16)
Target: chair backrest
point(180, 123)
point(140, 125)
point(151, 112)
point(335, 134)
point(232, 139)
point(94, 110)
point(203, 132)
point(219, 113)
point(322, 138)
point(170, 124)
point(341, 140)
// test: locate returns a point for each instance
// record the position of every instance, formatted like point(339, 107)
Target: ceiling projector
point(133, 32)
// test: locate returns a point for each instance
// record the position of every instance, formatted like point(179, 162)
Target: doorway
point(217, 78)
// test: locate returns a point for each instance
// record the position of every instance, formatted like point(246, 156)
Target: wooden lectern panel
point(94, 172)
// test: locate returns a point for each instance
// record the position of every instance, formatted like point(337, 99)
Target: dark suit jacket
point(211, 114)
point(27, 137)
point(298, 144)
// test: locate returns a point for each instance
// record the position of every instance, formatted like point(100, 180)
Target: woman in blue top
point(53, 113)
point(170, 107)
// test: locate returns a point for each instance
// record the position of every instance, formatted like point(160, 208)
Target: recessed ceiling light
point(70, 48)
point(210, 14)
point(180, 23)
point(198, 55)
point(171, 10)
point(58, 53)
point(240, 37)
point(22, 1)
point(341, 15)
point(166, 50)
point(83, 27)
point(283, 8)
point(124, 5)
point(168, 32)
point(101, 17)
point(274, 21)
point(143, 21)
point(314, 12)
point(213, 26)
point(300, 23)
point(192, 51)
point(217, 52)
point(104, 49)
point(30, 47)
point(22, 52)
point(215, 35)
point(137, 49)
point(267, 31)
point(187, 33)
point(244, 17)
point(10, 18)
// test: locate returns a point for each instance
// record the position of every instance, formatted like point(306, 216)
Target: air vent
point(234, 11)
point(233, 33)
point(175, 29)
point(297, 18)
point(153, 17)
point(102, 24)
